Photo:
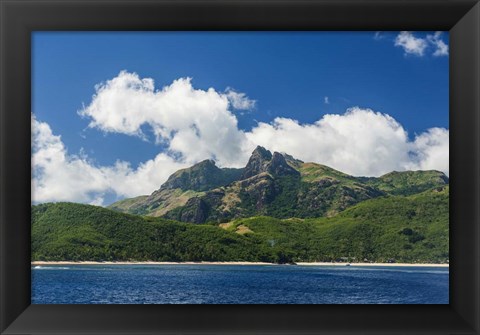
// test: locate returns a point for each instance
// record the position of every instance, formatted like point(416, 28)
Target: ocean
point(238, 284)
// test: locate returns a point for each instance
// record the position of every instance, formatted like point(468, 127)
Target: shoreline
point(45, 263)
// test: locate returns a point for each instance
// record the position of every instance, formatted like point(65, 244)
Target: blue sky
point(296, 76)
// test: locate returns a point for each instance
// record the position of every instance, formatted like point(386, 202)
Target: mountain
point(401, 228)
point(179, 188)
point(275, 185)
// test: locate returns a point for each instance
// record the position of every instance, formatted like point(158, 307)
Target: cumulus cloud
point(360, 142)
point(239, 100)
point(417, 46)
point(411, 44)
point(194, 125)
point(441, 48)
point(430, 151)
point(57, 176)
point(60, 176)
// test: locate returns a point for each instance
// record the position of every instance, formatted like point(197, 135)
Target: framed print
point(239, 167)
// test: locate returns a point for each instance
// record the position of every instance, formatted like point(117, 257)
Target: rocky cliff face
point(278, 166)
point(262, 160)
point(257, 163)
point(201, 177)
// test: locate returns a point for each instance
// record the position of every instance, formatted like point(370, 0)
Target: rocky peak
point(198, 177)
point(262, 153)
point(257, 163)
point(262, 160)
point(206, 164)
point(278, 166)
point(201, 177)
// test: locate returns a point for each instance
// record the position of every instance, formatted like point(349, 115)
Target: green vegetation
point(68, 231)
point(407, 182)
point(130, 205)
point(312, 172)
point(403, 229)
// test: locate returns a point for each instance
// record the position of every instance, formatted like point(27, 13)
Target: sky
point(115, 113)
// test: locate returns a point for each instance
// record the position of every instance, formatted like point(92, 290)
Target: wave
point(39, 267)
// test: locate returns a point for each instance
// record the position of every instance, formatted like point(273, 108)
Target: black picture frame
point(20, 17)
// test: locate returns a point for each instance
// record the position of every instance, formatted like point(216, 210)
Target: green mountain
point(401, 228)
point(275, 185)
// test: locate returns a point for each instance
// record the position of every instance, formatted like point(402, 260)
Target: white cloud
point(195, 125)
point(60, 176)
point(198, 124)
point(441, 48)
point(359, 142)
point(239, 100)
point(326, 100)
point(417, 46)
point(411, 44)
point(430, 151)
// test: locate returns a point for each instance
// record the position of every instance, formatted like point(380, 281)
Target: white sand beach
point(146, 263)
point(44, 263)
point(373, 264)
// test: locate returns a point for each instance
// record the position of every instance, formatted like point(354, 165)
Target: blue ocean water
point(238, 284)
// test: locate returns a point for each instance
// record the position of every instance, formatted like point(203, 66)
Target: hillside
point(406, 229)
point(407, 182)
point(401, 228)
point(69, 231)
point(276, 185)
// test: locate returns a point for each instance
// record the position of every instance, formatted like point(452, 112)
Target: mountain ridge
point(276, 185)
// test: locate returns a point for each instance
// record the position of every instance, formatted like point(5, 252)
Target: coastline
point(45, 263)
point(375, 264)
